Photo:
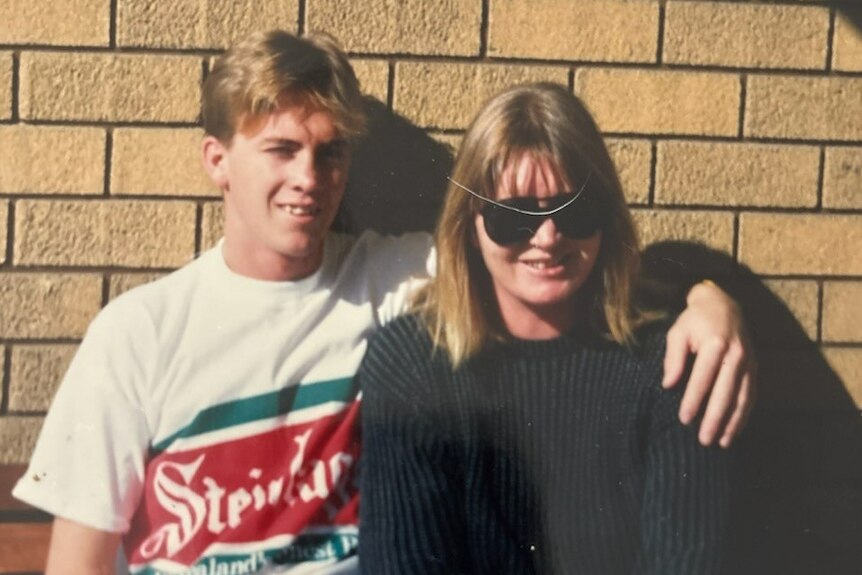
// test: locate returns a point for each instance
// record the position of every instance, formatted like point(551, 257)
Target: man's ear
point(215, 160)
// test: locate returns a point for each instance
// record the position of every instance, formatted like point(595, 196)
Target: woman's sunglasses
point(516, 220)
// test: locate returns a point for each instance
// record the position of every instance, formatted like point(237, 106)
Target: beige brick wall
point(447, 95)
point(199, 23)
point(847, 47)
point(169, 166)
point(52, 160)
point(108, 87)
point(441, 28)
point(78, 23)
point(649, 101)
point(810, 108)
point(599, 31)
point(842, 180)
point(736, 174)
point(745, 35)
point(734, 124)
point(5, 85)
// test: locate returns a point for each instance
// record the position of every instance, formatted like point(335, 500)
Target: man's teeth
point(300, 210)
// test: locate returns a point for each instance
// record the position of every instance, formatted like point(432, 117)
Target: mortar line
point(300, 18)
point(484, 26)
point(830, 34)
point(662, 15)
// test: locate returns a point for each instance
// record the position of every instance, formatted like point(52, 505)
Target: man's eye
point(280, 151)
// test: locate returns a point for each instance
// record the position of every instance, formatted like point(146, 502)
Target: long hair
point(546, 121)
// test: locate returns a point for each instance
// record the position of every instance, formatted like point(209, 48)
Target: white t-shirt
point(211, 418)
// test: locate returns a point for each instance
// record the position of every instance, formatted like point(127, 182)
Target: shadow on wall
point(801, 495)
point(850, 9)
point(397, 179)
point(800, 500)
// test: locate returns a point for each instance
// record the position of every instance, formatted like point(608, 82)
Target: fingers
point(700, 382)
point(742, 409)
point(746, 398)
point(675, 357)
point(724, 397)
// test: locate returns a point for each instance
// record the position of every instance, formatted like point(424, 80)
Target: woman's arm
point(411, 518)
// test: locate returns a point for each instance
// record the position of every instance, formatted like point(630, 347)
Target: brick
point(633, 160)
point(18, 438)
point(800, 297)
point(804, 107)
point(450, 95)
point(746, 36)
point(36, 371)
point(104, 233)
point(5, 85)
point(159, 162)
point(442, 28)
point(109, 87)
point(846, 45)
point(801, 243)
point(847, 363)
point(199, 23)
point(51, 160)
point(78, 23)
point(4, 219)
point(121, 283)
point(712, 229)
point(842, 314)
point(212, 224)
point(661, 102)
point(842, 178)
point(589, 30)
point(40, 305)
point(732, 174)
point(373, 77)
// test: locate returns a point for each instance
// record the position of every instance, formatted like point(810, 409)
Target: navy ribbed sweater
point(561, 456)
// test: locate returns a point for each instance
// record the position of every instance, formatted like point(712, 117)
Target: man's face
point(283, 179)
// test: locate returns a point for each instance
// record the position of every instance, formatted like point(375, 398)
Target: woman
point(515, 423)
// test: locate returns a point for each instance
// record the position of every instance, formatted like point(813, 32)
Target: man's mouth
point(302, 211)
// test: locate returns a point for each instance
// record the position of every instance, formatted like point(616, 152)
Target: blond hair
point(545, 121)
point(272, 70)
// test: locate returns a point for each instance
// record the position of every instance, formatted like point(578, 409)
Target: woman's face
point(536, 281)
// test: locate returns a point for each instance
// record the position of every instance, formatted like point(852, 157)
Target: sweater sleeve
point(686, 507)
point(410, 513)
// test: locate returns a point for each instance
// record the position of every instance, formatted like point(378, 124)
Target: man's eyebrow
point(281, 142)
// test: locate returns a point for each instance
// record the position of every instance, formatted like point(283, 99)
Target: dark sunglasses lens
point(506, 227)
point(577, 221)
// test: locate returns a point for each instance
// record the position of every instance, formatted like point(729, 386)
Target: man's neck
point(268, 266)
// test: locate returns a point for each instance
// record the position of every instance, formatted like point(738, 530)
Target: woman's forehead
point(529, 174)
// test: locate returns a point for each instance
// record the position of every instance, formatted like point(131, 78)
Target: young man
point(208, 421)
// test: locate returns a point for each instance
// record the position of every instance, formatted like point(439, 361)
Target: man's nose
point(303, 173)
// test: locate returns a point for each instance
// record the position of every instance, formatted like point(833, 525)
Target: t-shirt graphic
point(252, 481)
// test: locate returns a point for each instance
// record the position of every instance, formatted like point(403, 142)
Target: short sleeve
point(399, 266)
point(89, 460)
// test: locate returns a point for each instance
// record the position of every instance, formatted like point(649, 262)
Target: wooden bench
point(24, 531)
